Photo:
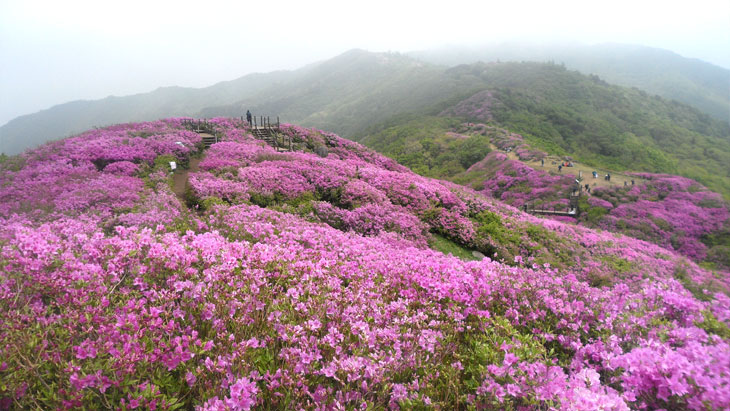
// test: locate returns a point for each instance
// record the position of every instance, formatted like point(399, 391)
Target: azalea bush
point(518, 184)
point(291, 280)
point(675, 212)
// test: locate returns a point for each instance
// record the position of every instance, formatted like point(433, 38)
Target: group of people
point(587, 187)
point(561, 165)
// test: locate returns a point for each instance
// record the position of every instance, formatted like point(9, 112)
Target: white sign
point(173, 165)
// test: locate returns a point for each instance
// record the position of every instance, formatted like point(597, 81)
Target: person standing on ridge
point(248, 117)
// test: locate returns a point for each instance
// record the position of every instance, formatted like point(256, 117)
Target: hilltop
point(71, 118)
point(655, 71)
point(326, 277)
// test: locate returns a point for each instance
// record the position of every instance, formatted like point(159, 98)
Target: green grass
point(422, 144)
point(446, 246)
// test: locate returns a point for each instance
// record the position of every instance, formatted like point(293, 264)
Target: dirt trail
point(551, 166)
point(180, 178)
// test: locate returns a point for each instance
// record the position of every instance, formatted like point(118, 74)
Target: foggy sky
point(52, 52)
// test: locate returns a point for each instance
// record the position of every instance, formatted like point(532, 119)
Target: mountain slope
point(655, 71)
point(353, 91)
point(293, 280)
point(346, 94)
point(566, 113)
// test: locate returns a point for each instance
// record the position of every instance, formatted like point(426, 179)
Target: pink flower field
point(674, 212)
point(291, 280)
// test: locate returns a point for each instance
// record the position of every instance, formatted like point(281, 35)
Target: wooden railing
point(567, 211)
point(572, 209)
point(199, 125)
point(261, 127)
point(264, 122)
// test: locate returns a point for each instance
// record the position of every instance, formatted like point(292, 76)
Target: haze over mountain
point(55, 52)
point(343, 94)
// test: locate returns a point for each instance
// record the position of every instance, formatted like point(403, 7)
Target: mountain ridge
point(228, 98)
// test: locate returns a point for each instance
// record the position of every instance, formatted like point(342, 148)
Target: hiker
point(632, 181)
point(542, 162)
point(588, 188)
point(626, 183)
point(248, 117)
point(595, 174)
point(560, 167)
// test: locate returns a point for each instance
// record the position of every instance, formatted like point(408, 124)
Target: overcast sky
point(52, 52)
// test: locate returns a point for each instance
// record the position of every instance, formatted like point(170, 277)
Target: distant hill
point(353, 91)
point(656, 71)
point(345, 94)
point(74, 117)
point(357, 89)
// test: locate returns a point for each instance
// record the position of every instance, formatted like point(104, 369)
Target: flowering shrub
point(599, 202)
point(517, 183)
point(317, 291)
point(672, 211)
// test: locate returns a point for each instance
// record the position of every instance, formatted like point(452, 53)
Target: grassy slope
point(564, 112)
point(354, 91)
point(423, 145)
point(614, 127)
